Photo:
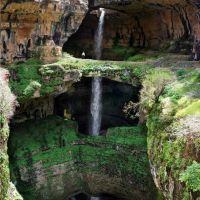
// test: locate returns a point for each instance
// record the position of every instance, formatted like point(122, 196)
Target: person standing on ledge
point(83, 55)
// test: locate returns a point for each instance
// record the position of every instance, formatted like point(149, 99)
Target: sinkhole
point(75, 104)
point(53, 156)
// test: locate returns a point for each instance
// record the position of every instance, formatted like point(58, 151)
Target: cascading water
point(94, 198)
point(99, 35)
point(95, 107)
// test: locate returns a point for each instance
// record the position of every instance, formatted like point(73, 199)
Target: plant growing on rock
point(7, 107)
point(153, 86)
point(191, 177)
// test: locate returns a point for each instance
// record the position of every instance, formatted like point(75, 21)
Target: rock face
point(55, 162)
point(173, 134)
point(26, 25)
point(168, 25)
point(169, 97)
point(7, 106)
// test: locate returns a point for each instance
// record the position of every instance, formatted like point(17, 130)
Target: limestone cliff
point(25, 25)
point(172, 26)
point(7, 106)
point(169, 100)
point(173, 131)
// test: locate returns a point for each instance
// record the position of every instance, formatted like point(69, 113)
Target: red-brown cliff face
point(168, 25)
point(25, 25)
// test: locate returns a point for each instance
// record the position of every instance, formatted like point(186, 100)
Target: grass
point(31, 75)
point(191, 109)
point(142, 58)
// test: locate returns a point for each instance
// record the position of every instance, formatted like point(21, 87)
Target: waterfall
point(95, 107)
point(94, 198)
point(99, 35)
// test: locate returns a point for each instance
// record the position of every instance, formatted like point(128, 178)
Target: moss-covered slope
point(174, 135)
point(53, 161)
point(7, 106)
point(34, 79)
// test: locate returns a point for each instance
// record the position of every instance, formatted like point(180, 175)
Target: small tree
point(153, 86)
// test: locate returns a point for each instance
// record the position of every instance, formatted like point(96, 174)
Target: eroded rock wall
point(165, 25)
point(55, 162)
point(25, 25)
point(7, 106)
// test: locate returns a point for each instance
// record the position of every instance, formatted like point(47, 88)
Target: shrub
point(153, 86)
point(191, 177)
point(31, 88)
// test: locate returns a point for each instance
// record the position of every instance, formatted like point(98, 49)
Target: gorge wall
point(38, 27)
point(172, 26)
point(167, 103)
point(29, 28)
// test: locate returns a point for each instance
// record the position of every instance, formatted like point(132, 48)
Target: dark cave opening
point(75, 104)
point(86, 30)
point(84, 196)
point(115, 45)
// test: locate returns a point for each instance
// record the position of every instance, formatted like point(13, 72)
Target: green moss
point(32, 75)
point(191, 177)
point(27, 78)
point(24, 74)
point(189, 110)
point(55, 141)
point(119, 52)
point(167, 134)
point(141, 57)
point(154, 84)
point(4, 169)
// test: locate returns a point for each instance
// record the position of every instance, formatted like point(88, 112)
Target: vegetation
point(172, 122)
point(142, 57)
point(54, 141)
point(169, 102)
point(120, 53)
point(191, 177)
point(31, 76)
point(7, 107)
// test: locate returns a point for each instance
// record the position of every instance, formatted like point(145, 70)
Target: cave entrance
point(75, 104)
point(84, 196)
point(121, 38)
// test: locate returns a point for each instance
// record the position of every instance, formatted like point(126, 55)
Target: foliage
point(141, 57)
point(7, 107)
point(191, 109)
point(31, 88)
point(120, 53)
point(54, 141)
point(26, 77)
point(191, 177)
point(23, 77)
point(172, 122)
point(153, 86)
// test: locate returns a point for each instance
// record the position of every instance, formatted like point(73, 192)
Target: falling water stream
point(95, 107)
point(99, 35)
point(94, 198)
